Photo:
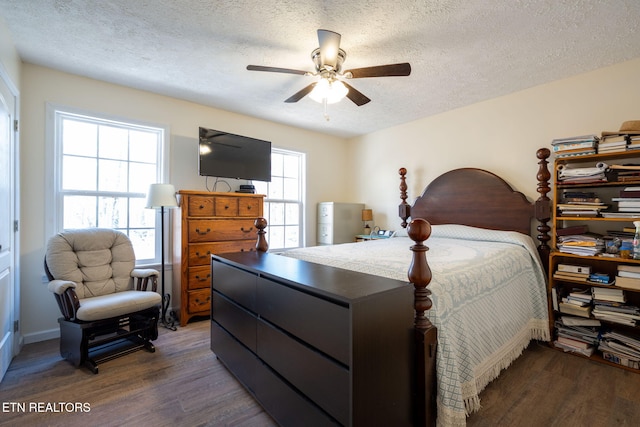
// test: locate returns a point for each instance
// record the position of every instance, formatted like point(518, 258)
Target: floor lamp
point(163, 196)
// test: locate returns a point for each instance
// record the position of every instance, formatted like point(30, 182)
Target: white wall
point(500, 135)
point(42, 85)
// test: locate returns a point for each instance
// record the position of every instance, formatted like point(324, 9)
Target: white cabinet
point(339, 222)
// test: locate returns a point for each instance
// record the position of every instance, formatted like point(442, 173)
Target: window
point(102, 172)
point(284, 204)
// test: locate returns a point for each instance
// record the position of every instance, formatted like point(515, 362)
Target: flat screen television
point(226, 155)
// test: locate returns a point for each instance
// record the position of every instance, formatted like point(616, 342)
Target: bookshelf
point(589, 317)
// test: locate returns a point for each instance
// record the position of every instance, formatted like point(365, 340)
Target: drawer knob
point(246, 231)
point(202, 279)
point(200, 207)
point(202, 233)
point(248, 208)
point(226, 206)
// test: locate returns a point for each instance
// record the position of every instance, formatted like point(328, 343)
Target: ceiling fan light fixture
point(331, 91)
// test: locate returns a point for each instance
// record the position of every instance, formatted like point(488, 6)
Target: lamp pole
point(166, 298)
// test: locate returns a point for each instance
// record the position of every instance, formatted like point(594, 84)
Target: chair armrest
point(59, 286)
point(66, 297)
point(144, 276)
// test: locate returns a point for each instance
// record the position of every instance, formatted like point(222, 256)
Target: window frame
point(54, 194)
point(302, 171)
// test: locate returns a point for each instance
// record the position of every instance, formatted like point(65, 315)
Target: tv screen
point(226, 155)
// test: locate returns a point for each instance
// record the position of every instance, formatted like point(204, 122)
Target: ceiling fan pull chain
point(326, 113)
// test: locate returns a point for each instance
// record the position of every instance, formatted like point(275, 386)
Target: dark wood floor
point(183, 384)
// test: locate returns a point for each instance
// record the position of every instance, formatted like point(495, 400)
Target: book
point(629, 268)
point(571, 268)
point(574, 309)
point(628, 282)
point(581, 277)
point(574, 343)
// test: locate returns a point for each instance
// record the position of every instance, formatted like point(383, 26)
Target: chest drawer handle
point(201, 207)
point(202, 256)
point(203, 302)
point(246, 231)
point(202, 233)
point(226, 206)
point(202, 279)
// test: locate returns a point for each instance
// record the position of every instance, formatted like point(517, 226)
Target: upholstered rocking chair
point(104, 313)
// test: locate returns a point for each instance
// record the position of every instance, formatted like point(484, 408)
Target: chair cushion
point(98, 260)
point(116, 304)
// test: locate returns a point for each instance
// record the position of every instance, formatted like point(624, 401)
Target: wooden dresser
point(208, 223)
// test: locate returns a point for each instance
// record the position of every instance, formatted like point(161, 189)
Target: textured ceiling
point(461, 51)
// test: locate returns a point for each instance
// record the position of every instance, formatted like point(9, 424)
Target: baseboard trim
point(41, 336)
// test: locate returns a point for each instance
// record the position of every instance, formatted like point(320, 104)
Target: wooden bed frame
point(467, 196)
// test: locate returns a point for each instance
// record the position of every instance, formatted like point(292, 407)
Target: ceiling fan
point(331, 85)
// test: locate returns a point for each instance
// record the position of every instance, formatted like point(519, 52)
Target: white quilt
point(489, 301)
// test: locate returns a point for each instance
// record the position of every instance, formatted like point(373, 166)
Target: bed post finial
point(425, 334)
point(404, 210)
point(261, 244)
point(543, 204)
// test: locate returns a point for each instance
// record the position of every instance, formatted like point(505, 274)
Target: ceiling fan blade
point(402, 69)
point(356, 96)
point(329, 42)
point(301, 93)
point(275, 69)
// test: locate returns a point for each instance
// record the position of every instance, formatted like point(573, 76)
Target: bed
point(482, 292)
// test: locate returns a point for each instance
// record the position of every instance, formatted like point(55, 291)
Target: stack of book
point(589, 175)
point(580, 203)
point(634, 142)
point(577, 334)
point(621, 348)
point(624, 173)
point(612, 144)
point(575, 145)
point(628, 276)
point(577, 303)
point(610, 305)
point(628, 204)
point(588, 244)
point(572, 272)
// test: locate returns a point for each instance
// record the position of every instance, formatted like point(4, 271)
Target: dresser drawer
point(238, 285)
point(226, 206)
point(199, 301)
point(250, 207)
point(322, 380)
point(290, 309)
point(199, 277)
point(200, 206)
point(200, 253)
point(214, 230)
point(239, 322)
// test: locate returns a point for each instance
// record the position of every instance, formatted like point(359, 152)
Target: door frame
point(18, 339)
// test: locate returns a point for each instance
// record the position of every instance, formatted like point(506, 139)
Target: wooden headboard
point(480, 198)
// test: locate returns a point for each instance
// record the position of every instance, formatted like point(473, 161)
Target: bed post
point(261, 244)
point(404, 210)
point(425, 333)
point(543, 205)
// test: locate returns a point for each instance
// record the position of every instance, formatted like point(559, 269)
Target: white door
point(7, 235)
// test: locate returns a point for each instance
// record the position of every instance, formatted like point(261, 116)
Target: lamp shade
point(161, 195)
point(367, 215)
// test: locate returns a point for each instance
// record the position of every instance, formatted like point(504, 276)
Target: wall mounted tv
point(226, 155)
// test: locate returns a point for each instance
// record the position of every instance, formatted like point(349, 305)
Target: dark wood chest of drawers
point(208, 223)
point(315, 345)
